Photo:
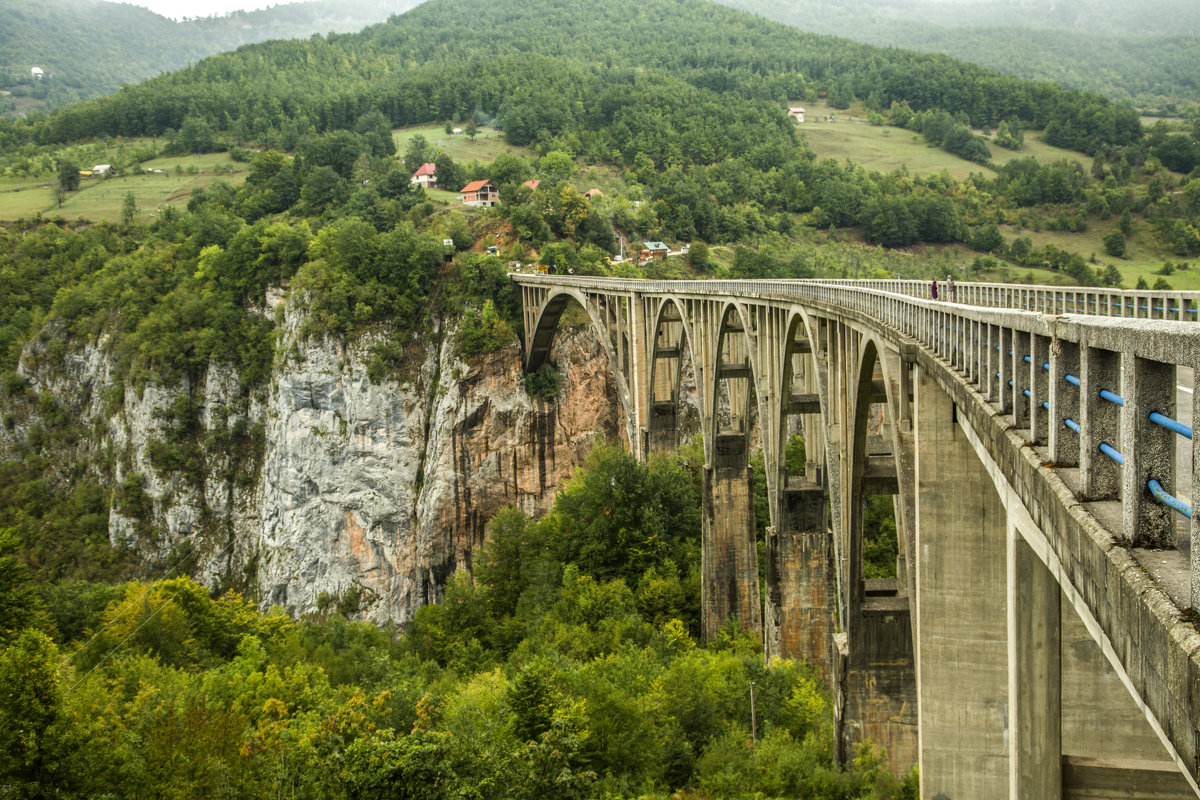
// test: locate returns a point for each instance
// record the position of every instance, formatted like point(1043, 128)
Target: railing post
point(1147, 386)
point(1020, 379)
point(1064, 403)
point(1039, 380)
point(1100, 475)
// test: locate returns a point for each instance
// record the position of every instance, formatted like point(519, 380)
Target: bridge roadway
point(1039, 639)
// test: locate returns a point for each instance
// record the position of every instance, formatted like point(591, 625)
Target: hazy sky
point(201, 8)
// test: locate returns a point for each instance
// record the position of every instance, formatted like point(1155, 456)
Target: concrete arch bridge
point(1039, 639)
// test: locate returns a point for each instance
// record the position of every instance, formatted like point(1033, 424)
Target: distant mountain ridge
point(1148, 53)
point(88, 48)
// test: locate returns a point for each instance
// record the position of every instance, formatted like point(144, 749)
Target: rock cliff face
point(376, 490)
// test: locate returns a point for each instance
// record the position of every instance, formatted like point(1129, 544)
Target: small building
point(796, 113)
point(36, 72)
point(532, 184)
point(425, 176)
point(590, 193)
point(101, 169)
point(480, 193)
point(653, 250)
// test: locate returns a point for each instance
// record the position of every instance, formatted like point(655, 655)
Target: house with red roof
point(425, 176)
point(590, 193)
point(480, 193)
point(531, 184)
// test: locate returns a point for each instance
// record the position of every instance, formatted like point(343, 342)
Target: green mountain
point(539, 65)
point(1145, 52)
point(87, 48)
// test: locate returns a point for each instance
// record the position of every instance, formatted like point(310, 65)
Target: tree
point(471, 131)
point(1112, 275)
point(1114, 243)
point(556, 166)
point(34, 756)
point(417, 153)
point(68, 176)
point(128, 208)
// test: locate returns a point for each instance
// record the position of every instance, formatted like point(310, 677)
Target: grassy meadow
point(487, 144)
point(102, 199)
point(884, 148)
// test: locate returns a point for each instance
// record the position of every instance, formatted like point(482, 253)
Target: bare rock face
point(376, 490)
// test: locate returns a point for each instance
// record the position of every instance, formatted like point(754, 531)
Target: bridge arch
point(612, 334)
point(671, 346)
point(733, 380)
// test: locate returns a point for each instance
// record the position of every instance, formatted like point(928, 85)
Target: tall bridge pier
point(1038, 638)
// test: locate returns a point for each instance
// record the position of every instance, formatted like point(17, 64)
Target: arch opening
point(673, 406)
point(875, 544)
point(730, 573)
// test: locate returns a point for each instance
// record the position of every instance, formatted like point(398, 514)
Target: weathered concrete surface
point(1099, 718)
point(961, 626)
point(729, 553)
point(878, 685)
point(1035, 674)
point(1122, 779)
point(801, 607)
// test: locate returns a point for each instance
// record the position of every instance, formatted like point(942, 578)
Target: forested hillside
point(87, 48)
point(1145, 52)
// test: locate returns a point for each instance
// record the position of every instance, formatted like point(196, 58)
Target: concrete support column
point(729, 556)
point(961, 621)
point(1035, 675)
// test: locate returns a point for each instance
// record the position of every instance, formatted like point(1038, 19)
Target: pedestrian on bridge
point(950, 288)
point(933, 289)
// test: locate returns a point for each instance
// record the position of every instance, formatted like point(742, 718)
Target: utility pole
point(753, 723)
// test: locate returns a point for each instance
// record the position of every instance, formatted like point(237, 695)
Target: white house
point(101, 169)
point(425, 176)
point(37, 72)
point(796, 113)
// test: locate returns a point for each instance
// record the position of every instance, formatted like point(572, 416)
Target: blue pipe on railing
point(1171, 425)
point(1161, 495)
point(1028, 360)
point(1071, 379)
point(1046, 366)
point(1112, 398)
point(1112, 453)
point(1046, 404)
point(1027, 393)
point(1072, 424)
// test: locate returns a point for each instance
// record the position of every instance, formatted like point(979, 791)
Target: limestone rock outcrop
point(377, 490)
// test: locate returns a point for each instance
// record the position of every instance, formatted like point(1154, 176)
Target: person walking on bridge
point(933, 289)
point(949, 288)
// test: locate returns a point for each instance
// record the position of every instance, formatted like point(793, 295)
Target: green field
point(884, 148)
point(487, 144)
point(101, 199)
point(1143, 259)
